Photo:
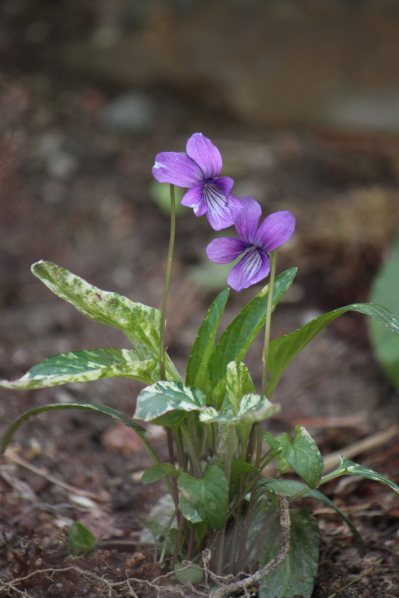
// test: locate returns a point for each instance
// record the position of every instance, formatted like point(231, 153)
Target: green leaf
point(188, 511)
point(161, 514)
point(348, 467)
point(204, 343)
point(193, 573)
point(385, 290)
point(253, 408)
point(303, 455)
point(83, 366)
point(139, 322)
point(208, 496)
point(153, 527)
point(159, 471)
point(240, 468)
point(292, 487)
point(153, 401)
point(283, 350)
point(55, 407)
point(238, 383)
point(241, 332)
point(80, 539)
point(295, 575)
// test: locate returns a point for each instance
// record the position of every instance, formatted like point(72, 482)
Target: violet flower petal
point(253, 267)
point(248, 220)
point(177, 169)
point(194, 198)
point(225, 249)
point(223, 208)
point(275, 230)
point(205, 154)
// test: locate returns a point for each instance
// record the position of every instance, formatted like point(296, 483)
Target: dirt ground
point(78, 194)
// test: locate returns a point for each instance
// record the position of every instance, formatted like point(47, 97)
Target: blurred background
point(302, 99)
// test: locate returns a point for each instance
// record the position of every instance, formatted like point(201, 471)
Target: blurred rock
point(265, 62)
point(131, 112)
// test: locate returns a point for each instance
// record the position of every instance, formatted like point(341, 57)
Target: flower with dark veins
point(253, 244)
point(199, 170)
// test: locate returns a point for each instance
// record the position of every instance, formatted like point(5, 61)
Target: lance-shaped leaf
point(207, 496)
point(292, 487)
point(57, 406)
point(241, 332)
point(238, 383)
point(204, 343)
point(348, 467)
point(253, 408)
point(83, 366)
point(303, 455)
point(162, 397)
point(295, 575)
point(283, 350)
point(139, 322)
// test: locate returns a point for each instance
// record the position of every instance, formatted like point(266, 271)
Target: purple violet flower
point(199, 170)
point(254, 243)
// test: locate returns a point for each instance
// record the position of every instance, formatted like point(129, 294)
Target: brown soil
point(98, 220)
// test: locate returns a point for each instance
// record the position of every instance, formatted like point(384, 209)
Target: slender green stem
point(195, 462)
point(163, 324)
point(167, 282)
point(265, 355)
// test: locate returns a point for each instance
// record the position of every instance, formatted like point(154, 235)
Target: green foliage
point(84, 366)
point(203, 346)
point(162, 397)
point(159, 471)
point(80, 539)
point(240, 334)
point(139, 322)
point(284, 349)
point(292, 487)
point(207, 496)
point(57, 406)
point(295, 575)
point(302, 455)
point(348, 467)
point(385, 291)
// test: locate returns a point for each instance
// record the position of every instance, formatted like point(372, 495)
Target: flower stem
point(265, 355)
point(167, 283)
point(163, 324)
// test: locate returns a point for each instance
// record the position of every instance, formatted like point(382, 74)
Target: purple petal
point(275, 230)
point(194, 198)
point(248, 220)
point(225, 249)
point(205, 154)
point(223, 208)
point(253, 267)
point(177, 169)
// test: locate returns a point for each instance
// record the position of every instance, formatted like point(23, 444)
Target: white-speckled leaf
point(162, 397)
point(348, 467)
point(84, 366)
point(303, 455)
point(238, 383)
point(253, 408)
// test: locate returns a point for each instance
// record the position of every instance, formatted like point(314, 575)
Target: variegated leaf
point(162, 397)
point(84, 366)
